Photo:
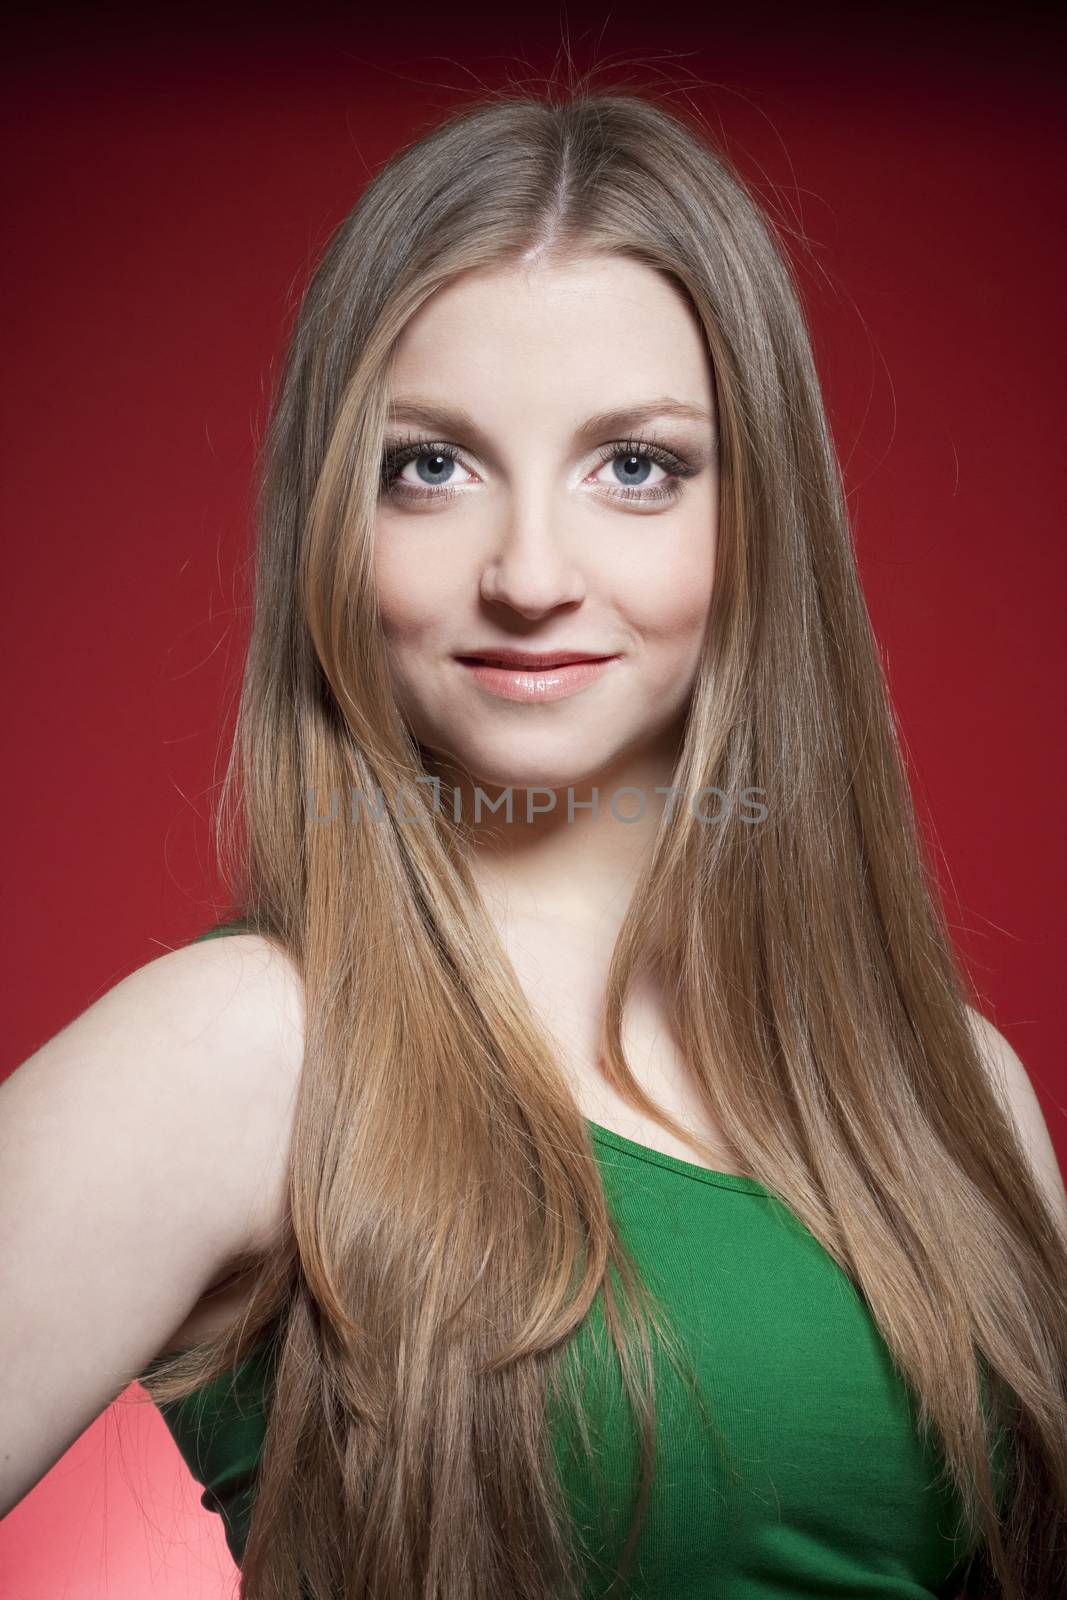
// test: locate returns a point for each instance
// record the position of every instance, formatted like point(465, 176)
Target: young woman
point(576, 1168)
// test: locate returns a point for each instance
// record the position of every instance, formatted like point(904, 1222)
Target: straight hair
point(447, 1232)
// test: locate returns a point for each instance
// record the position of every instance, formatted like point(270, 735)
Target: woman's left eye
point(632, 462)
point(632, 469)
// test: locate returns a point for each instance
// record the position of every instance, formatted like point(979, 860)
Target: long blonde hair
point(448, 1230)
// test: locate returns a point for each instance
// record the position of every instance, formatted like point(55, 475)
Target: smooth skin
point(525, 541)
point(144, 1147)
point(547, 531)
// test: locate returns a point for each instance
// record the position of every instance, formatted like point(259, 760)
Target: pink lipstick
point(529, 675)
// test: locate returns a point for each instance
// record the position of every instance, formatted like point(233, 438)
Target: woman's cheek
point(413, 589)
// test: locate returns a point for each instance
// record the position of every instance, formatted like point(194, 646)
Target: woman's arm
point(142, 1149)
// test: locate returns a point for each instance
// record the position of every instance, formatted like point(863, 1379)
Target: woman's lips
point(536, 683)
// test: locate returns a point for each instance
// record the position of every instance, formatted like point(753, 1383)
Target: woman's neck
point(560, 858)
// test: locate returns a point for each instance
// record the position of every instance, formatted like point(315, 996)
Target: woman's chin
point(500, 770)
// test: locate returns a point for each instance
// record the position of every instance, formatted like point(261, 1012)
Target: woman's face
point(542, 528)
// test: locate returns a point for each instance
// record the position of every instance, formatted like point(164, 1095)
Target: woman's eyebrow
point(621, 419)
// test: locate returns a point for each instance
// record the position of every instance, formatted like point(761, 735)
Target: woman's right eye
point(433, 467)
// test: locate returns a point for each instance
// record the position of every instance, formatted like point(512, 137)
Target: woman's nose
point(531, 570)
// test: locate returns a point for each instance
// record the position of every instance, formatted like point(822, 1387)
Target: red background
point(171, 183)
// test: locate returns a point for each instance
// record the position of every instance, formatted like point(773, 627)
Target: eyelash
point(397, 457)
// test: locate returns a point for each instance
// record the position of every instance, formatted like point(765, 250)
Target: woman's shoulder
point(1014, 1088)
point(250, 976)
point(243, 992)
point(169, 1103)
point(231, 963)
point(248, 998)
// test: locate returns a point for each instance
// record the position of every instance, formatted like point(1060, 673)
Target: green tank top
point(825, 1488)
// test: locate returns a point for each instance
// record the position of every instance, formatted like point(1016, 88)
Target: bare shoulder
point(1013, 1083)
point(243, 969)
point(143, 1152)
point(251, 991)
point(242, 997)
point(199, 1051)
